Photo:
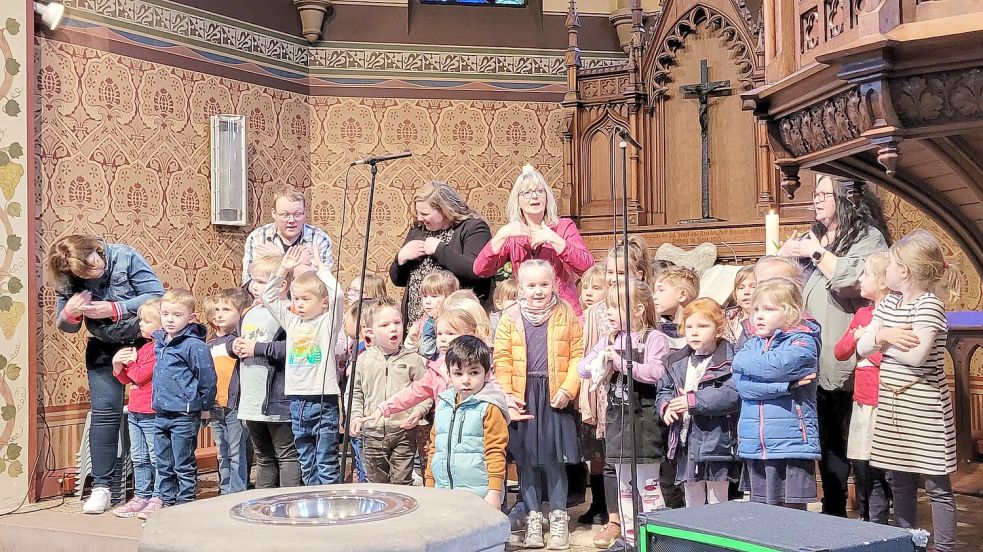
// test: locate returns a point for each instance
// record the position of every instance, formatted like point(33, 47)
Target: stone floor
point(123, 533)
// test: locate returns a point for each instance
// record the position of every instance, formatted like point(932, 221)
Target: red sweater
point(865, 377)
point(141, 374)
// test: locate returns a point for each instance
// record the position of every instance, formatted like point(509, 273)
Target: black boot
point(597, 514)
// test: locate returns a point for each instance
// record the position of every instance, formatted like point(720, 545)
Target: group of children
point(720, 395)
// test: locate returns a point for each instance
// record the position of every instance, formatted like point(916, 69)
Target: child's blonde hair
point(439, 282)
point(639, 259)
point(463, 321)
point(744, 274)
point(308, 282)
point(709, 308)
point(266, 265)
point(237, 297)
point(374, 286)
point(180, 296)
point(781, 292)
point(536, 263)
point(921, 253)
point(371, 309)
point(593, 275)
point(506, 290)
point(790, 268)
point(150, 311)
point(465, 300)
point(640, 295)
point(876, 264)
point(681, 278)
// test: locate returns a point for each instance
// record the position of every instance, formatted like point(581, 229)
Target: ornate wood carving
point(837, 12)
point(810, 30)
point(936, 98)
point(606, 88)
point(835, 120)
point(659, 79)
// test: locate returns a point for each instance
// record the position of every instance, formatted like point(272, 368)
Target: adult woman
point(849, 226)
point(447, 234)
point(103, 285)
point(535, 231)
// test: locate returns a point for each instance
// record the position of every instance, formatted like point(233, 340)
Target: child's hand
point(416, 330)
point(804, 381)
point(307, 257)
point(679, 405)
point(124, 356)
point(494, 498)
point(560, 400)
point(859, 332)
point(900, 337)
point(372, 418)
point(356, 427)
point(412, 420)
point(517, 411)
point(669, 416)
point(206, 415)
point(244, 348)
point(292, 259)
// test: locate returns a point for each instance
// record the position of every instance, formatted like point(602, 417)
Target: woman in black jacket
point(446, 235)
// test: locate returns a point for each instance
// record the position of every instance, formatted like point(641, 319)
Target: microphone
point(626, 136)
point(380, 158)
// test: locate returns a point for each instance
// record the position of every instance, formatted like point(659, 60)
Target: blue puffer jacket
point(128, 281)
point(184, 377)
point(777, 422)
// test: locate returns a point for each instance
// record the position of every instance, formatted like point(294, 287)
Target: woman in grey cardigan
point(849, 226)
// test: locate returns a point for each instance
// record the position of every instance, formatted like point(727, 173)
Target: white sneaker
point(98, 502)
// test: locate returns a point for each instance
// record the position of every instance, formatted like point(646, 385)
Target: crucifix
point(702, 92)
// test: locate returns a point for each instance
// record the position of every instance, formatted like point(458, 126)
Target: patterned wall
point(124, 153)
point(15, 229)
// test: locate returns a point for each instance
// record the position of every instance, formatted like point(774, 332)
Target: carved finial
point(790, 179)
point(572, 58)
point(573, 17)
point(312, 14)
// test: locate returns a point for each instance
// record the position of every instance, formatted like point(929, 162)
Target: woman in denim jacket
point(103, 285)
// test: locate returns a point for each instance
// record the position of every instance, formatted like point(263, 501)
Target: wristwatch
point(817, 255)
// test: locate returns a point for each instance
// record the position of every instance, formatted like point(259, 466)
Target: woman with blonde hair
point(101, 285)
point(535, 231)
point(446, 234)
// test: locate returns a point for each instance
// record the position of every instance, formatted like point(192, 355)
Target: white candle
point(771, 233)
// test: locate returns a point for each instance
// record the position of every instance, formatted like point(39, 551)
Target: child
point(470, 456)
point(261, 347)
point(592, 286)
point(775, 373)
point(871, 483)
point(593, 405)
point(537, 347)
point(739, 315)
point(312, 321)
point(774, 266)
point(183, 394)
point(605, 367)
point(697, 398)
point(914, 432)
point(381, 371)
point(434, 288)
point(466, 300)
point(506, 294)
point(222, 312)
point(136, 366)
point(375, 286)
point(674, 288)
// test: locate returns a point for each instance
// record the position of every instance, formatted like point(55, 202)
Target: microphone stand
point(358, 319)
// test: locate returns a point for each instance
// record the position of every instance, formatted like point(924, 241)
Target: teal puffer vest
point(459, 444)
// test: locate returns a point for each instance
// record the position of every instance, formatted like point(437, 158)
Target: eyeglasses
point(299, 215)
point(538, 192)
point(821, 196)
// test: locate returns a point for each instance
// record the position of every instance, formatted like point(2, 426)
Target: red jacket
point(141, 374)
point(865, 377)
point(574, 261)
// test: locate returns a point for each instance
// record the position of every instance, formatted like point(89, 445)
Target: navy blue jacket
point(184, 377)
point(713, 407)
point(778, 421)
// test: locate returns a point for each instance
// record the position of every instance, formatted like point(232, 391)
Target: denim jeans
point(531, 486)
point(277, 464)
point(231, 440)
point(939, 491)
point(175, 441)
point(314, 420)
point(146, 484)
point(106, 398)
point(357, 459)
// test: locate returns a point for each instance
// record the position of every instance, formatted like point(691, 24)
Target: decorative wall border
point(219, 39)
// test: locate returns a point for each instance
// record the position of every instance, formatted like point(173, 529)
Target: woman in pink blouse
point(535, 231)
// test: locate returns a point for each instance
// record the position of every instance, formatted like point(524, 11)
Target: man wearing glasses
point(288, 228)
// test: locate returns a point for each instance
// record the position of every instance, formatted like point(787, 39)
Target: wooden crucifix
point(703, 91)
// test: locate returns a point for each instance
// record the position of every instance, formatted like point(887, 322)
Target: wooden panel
point(732, 139)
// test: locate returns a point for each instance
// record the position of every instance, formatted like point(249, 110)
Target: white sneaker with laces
point(98, 502)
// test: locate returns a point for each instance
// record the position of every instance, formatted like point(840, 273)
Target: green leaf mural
point(11, 108)
point(5, 303)
point(14, 242)
point(12, 67)
point(15, 469)
point(13, 451)
point(12, 26)
point(7, 412)
point(14, 285)
point(15, 150)
point(14, 209)
point(11, 372)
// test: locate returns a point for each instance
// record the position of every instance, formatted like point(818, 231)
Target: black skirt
point(619, 437)
point(551, 436)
